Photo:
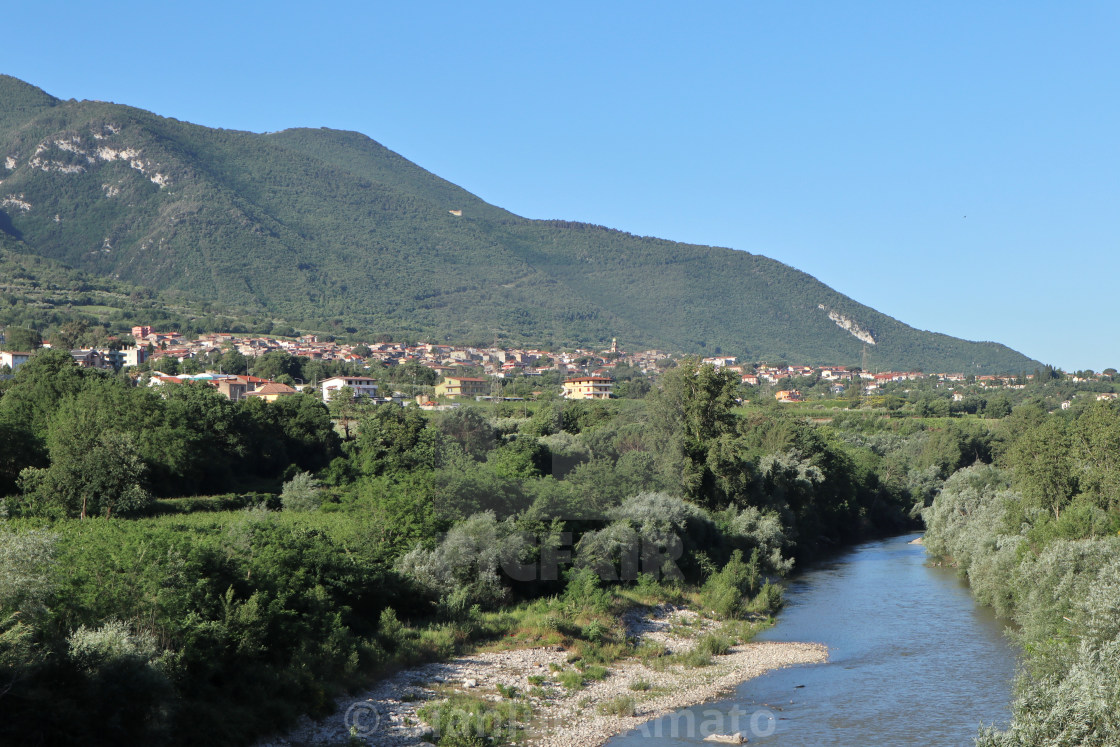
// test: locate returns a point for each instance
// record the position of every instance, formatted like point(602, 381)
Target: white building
point(362, 386)
point(13, 360)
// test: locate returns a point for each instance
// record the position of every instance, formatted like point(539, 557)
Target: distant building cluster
point(585, 373)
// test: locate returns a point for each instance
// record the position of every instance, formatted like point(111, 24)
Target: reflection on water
point(912, 661)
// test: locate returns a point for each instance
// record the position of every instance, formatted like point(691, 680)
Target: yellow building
point(462, 386)
point(588, 387)
point(273, 391)
point(788, 395)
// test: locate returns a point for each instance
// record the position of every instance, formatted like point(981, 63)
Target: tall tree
point(21, 339)
point(1043, 468)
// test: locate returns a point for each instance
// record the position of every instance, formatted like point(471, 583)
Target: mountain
point(331, 230)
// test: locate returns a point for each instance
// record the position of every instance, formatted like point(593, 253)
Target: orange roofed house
point(273, 391)
point(462, 386)
point(588, 387)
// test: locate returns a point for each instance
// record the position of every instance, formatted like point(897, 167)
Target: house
point(362, 386)
point(273, 391)
point(89, 359)
point(588, 387)
point(463, 386)
point(134, 356)
point(788, 395)
point(234, 388)
point(12, 360)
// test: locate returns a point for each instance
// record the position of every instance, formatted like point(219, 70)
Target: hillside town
point(154, 358)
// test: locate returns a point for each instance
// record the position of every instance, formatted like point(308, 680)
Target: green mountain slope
point(332, 230)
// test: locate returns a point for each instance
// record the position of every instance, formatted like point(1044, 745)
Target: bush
point(623, 705)
point(571, 679)
point(714, 644)
point(584, 592)
point(301, 493)
point(727, 592)
point(463, 569)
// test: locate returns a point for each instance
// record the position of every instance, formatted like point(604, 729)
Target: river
point(912, 661)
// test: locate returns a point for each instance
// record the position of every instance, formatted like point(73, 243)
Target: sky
point(953, 164)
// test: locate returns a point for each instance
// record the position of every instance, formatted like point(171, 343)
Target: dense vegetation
point(1035, 533)
point(318, 561)
point(331, 231)
point(45, 295)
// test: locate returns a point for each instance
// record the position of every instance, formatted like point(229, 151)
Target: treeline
point(1035, 533)
point(186, 621)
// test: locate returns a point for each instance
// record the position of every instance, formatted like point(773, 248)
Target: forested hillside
point(332, 231)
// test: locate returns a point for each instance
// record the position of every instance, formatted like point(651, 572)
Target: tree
point(1042, 466)
point(71, 334)
point(690, 412)
point(695, 401)
point(88, 476)
point(470, 429)
point(343, 408)
point(271, 365)
point(1095, 441)
point(39, 387)
point(167, 364)
point(233, 362)
point(394, 439)
point(21, 339)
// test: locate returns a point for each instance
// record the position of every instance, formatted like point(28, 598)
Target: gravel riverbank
point(386, 713)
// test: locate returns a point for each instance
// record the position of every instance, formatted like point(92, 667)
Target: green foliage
point(1040, 546)
point(621, 705)
point(466, 721)
point(21, 339)
point(571, 679)
point(1043, 469)
point(728, 592)
point(714, 644)
point(419, 547)
point(464, 568)
point(585, 592)
point(301, 493)
point(393, 440)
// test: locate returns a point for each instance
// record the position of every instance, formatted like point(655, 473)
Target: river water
point(912, 661)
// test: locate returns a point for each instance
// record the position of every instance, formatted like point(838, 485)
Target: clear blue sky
point(955, 164)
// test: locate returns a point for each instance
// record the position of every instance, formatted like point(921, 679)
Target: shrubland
point(1036, 535)
point(178, 568)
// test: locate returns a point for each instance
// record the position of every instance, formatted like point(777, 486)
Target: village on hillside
point(155, 358)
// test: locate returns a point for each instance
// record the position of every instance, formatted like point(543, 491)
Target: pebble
point(565, 718)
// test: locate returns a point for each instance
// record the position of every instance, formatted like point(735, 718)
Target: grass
point(714, 644)
point(571, 679)
point(640, 685)
point(623, 705)
point(465, 719)
point(692, 659)
point(595, 672)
